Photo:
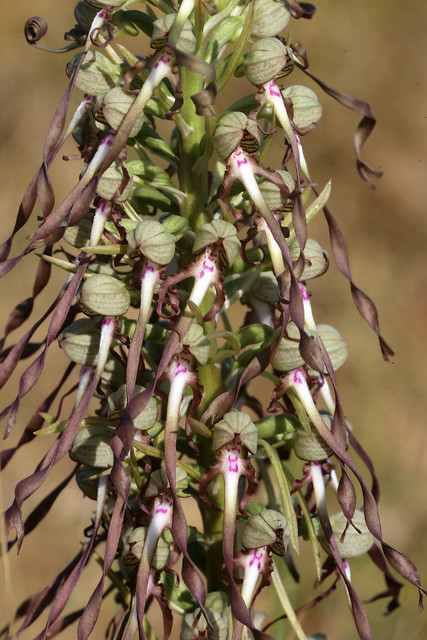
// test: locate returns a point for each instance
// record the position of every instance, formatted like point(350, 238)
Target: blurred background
point(375, 51)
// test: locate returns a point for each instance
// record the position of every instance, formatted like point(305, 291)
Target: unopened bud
point(105, 296)
point(234, 129)
point(235, 423)
point(268, 59)
point(218, 232)
point(150, 239)
point(80, 342)
point(270, 18)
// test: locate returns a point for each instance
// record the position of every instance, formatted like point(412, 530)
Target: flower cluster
point(162, 237)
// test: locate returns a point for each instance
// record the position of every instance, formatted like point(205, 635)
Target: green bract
point(265, 288)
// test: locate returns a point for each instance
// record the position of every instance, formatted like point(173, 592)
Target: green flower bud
point(287, 356)
point(307, 108)
point(268, 59)
point(91, 446)
point(150, 238)
point(235, 423)
point(334, 344)
point(111, 180)
point(87, 481)
point(102, 268)
point(198, 344)
point(105, 296)
point(219, 630)
point(265, 287)
point(110, 3)
point(316, 259)
point(98, 74)
point(274, 198)
point(80, 342)
point(311, 448)
point(217, 600)
point(268, 529)
point(234, 129)
point(215, 232)
point(161, 28)
point(112, 376)
point(270, 18)
point(116, 105)
point(159, 482)
point(354, 544)
point(136, 545)
point(117, 401)
point(176, 225)
point(79, 235)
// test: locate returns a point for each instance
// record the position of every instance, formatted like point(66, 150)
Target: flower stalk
point(175, 225)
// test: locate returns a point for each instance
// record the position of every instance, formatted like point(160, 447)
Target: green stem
point(194, 186)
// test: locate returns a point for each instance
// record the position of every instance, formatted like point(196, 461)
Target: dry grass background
point(374, 50)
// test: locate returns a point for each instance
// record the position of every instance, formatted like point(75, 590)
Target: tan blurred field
point(372, 49)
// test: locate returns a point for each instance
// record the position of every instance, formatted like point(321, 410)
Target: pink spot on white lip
point(233, 464)
point(257, 557)
point(298, 377)
point(147, 269)
point(164, 59)
point(304, 293)
point(239, 162)
point(182, 366)
point(273, 90)
point(108, 140)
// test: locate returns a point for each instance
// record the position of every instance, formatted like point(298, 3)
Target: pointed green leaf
point(284, 489)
